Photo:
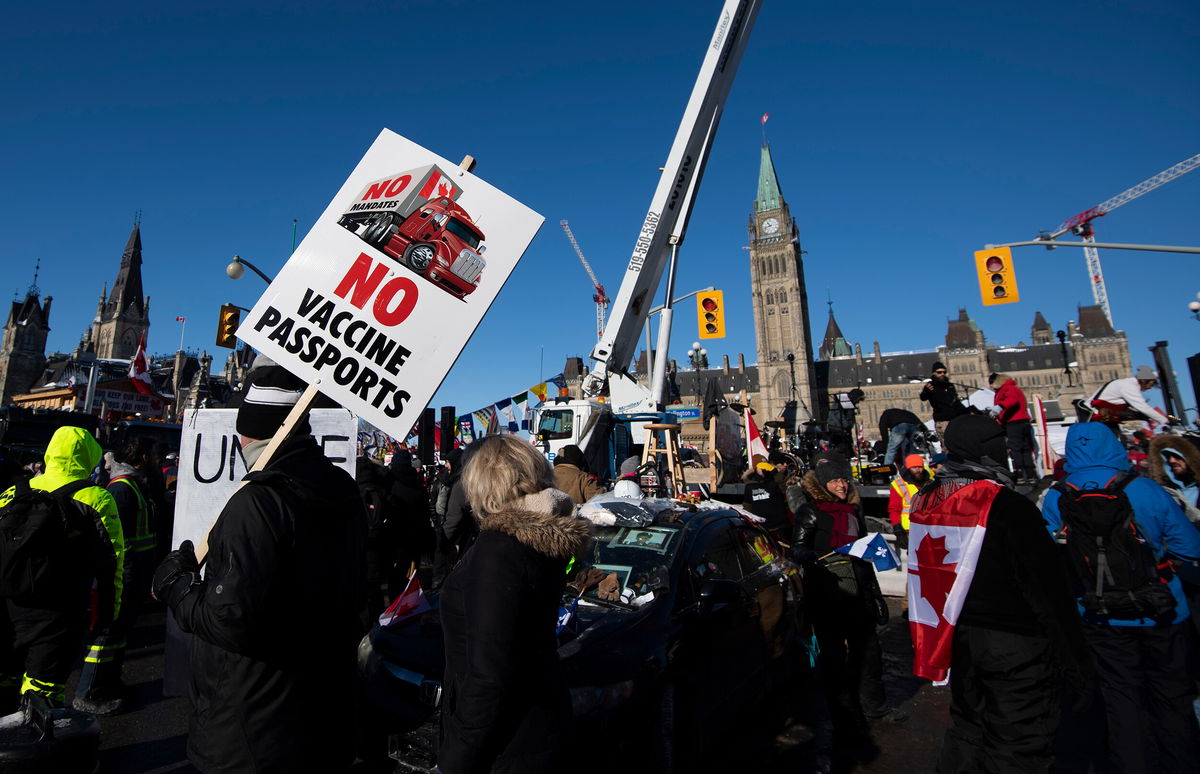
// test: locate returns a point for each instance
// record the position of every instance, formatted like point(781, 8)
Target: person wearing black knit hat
point(845, 602)
point(288, 547)
point(942, 396)
point(1017, 633)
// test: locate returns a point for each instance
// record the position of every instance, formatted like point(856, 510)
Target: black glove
point(176, 576)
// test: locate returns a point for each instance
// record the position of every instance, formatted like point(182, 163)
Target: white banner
point(211, 465)
point(382, 295)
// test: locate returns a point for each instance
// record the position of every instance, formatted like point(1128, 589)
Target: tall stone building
point(780, 299)
point(23, 352)
point(123, 315)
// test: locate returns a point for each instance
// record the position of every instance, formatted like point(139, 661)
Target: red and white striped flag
point(754, 441)
point(765, 117)
point(139, 374)
point(180, 319)
point(945, 535)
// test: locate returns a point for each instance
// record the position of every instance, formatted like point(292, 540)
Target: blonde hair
point(499, 469)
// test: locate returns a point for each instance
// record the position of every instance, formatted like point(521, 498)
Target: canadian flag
point(139, 374)
point(944, 540)
point(754, 441)
point(411, 603)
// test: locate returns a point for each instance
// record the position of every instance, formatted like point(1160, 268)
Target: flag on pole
point(520, 404)
point(180, 319)
point(943, 550)
point(765, 117)
point(466, 429)
point(486, 417)
point(410, 604)
point(138, 372)
point(875, 549)
point(754, 441)
point(505, 407)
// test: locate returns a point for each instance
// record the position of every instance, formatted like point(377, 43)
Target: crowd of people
point(1077, 621)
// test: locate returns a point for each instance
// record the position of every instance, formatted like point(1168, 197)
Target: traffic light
point(997, 279)
point(227, 325)
point(710, 314)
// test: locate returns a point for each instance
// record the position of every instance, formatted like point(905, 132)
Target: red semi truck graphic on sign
point(413, 217)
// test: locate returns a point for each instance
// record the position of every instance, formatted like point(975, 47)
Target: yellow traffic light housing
point(227, 325)
point(710, 314)
point(997, 278)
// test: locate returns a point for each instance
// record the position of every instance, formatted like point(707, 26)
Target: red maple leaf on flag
point(445, 189)
point(937, 577)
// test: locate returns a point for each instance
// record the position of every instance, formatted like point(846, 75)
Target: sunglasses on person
point(940, 372)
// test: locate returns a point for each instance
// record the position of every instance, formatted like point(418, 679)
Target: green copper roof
point(769, 197)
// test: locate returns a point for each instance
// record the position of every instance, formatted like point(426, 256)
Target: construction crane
point(1081, 224)
point(600, 297)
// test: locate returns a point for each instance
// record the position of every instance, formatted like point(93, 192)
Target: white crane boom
point(1081, 224)
point(600, 297)
point(665, 223)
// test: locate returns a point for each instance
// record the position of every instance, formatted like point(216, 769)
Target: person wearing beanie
point(278, 613)
point(942, 396)
point(1014, 417)
point(845, 603)
point(571, 476)
point(979, 547)
point(904, 487)
point(1121, 400)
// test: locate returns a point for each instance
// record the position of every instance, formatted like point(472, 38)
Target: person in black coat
point(942, 396)
point(763, 497)
point(505, 707)
point(414, 531)
point(277, 618)
point(844, 601)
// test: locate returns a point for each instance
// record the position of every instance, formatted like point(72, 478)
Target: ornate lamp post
point(699, 358)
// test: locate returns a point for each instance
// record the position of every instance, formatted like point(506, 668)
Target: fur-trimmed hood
point(1181, 446)
point(544, 521)
point(817, 492)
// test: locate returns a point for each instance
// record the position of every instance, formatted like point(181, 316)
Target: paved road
point(150, 737)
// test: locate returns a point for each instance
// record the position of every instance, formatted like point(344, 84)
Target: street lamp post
point(1194, 307)
point(235, 269)
point(699, 357)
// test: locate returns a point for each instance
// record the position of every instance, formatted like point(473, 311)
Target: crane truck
point(608, 420)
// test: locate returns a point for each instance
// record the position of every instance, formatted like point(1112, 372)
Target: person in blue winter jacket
point(1141, 663)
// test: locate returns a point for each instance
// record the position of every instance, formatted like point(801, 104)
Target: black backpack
point(43, 545)
point(1112, 562)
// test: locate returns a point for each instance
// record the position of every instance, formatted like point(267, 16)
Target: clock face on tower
point(770, 225)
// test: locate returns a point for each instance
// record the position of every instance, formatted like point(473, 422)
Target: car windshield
point(463, 232)
point(626, 565)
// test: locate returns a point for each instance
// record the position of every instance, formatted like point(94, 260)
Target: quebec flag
point(875, 549)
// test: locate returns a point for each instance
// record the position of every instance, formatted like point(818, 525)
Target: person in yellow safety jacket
point(39, 639)
point(100, 690)
point(905, 486)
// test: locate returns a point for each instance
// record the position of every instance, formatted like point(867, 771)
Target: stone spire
point(126, 296)
point(1041, 332)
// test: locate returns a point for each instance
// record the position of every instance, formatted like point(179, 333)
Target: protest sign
point(377, 302)
point(211, 465)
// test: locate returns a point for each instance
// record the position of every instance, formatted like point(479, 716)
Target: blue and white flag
point(875, 549)
point(566, 615)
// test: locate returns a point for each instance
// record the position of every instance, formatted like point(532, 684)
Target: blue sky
point(905, 136)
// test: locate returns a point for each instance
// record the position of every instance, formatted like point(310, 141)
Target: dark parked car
point(705, 624)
